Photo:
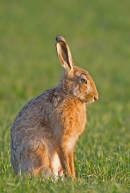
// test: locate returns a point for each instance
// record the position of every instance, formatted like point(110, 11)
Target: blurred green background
point(98, 33)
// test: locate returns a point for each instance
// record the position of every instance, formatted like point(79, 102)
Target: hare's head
point(75, 81)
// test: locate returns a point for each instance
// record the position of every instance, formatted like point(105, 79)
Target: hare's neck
point(65, 86)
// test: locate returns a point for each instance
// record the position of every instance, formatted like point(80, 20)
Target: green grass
point(98, 33)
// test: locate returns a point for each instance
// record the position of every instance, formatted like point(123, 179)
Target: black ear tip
point(57, 38)
point(60, 38)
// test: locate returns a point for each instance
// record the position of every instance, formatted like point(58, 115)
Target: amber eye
point(83, 80)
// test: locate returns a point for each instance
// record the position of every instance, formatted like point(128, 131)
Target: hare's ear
point(64, 55)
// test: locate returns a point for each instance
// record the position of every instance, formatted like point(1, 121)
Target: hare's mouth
point(92, 100)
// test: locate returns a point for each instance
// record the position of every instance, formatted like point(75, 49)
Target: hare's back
point(35, 112)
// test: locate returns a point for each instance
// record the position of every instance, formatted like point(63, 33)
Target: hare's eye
point(83, 80)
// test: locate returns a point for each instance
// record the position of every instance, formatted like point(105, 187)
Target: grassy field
point(98, 33)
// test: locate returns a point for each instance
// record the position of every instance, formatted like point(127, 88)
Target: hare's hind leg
point(41, 163)
point(36, 162)
point(48, 164)
point(30, 151)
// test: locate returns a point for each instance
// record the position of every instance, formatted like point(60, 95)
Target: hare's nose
point(95, 98)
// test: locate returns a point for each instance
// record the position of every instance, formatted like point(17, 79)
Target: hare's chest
point(69, 120)
point(81, 119)
point(75, 116)
point(78, 118)
point(73, 121)
point(74, 130)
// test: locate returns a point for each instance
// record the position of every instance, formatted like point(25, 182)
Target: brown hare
point(44, 132)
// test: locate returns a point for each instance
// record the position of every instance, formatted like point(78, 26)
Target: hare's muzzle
point(95, 98)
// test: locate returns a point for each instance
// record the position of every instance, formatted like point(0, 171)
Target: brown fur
point(44, 132)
